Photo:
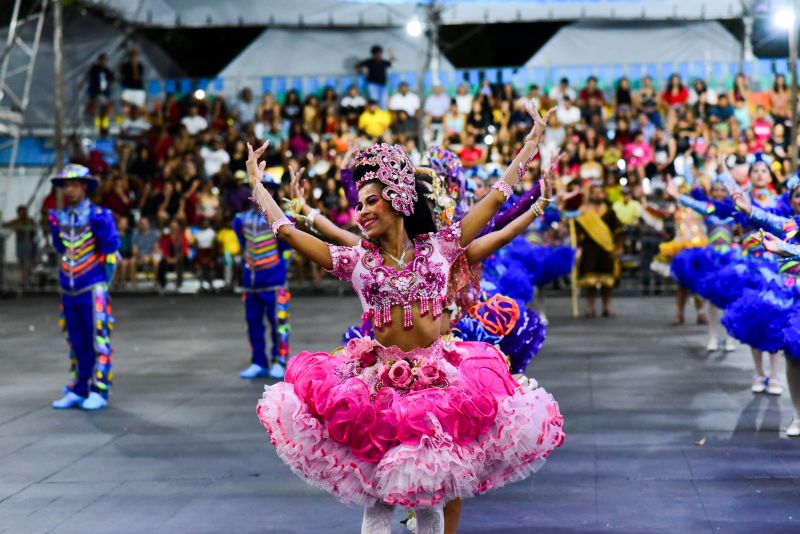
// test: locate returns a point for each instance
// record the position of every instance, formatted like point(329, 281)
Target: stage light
point(199, 94)
point(784, 18)
point(414, 27)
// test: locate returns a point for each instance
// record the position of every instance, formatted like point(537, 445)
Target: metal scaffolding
point(17, 61)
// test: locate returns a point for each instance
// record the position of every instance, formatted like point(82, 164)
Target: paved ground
point(660, 436)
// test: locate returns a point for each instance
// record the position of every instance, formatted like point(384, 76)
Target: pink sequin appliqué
point(423, 280)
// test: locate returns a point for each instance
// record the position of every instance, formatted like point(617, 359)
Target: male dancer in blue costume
point(265, 293)
point(86, 237)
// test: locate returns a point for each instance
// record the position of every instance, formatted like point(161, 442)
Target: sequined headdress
point(395, 171)
point(75, 173)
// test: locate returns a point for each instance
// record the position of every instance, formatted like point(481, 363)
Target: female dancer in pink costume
point(405, 419)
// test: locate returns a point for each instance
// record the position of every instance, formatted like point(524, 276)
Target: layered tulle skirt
point(412, 428)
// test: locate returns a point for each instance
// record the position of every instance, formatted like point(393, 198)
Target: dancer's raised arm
point(486, 245)
point(308, 245)
point(314, 219)
point(480, 214)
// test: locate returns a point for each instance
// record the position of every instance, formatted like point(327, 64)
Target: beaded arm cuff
point(277, 223)
point(503, 188)
point(780, 226)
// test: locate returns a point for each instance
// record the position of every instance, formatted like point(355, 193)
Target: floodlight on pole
point(414, 27)
point(784, 18)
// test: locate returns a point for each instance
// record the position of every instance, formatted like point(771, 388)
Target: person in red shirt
point(762, 127)
point(676, 94)
point(591, 90)
point(174, 248)
point(471, 155)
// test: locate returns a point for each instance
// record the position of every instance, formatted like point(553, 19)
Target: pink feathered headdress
point(395, 171)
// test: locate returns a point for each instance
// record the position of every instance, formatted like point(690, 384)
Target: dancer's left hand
point(771, 243)
point(539, 122)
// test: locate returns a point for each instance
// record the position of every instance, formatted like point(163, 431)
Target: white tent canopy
point(350, 13)
point(620, 43)
point(85, 38)
point(279, 52)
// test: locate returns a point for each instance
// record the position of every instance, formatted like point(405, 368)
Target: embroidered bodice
point(87, 238)
point(422, 280)
point(719, 229)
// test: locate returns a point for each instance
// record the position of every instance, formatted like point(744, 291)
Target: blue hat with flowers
point(75, 173)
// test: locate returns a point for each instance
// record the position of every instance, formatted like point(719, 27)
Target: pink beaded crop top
point(423, 280)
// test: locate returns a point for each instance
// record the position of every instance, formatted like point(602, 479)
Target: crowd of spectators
point(178, 172)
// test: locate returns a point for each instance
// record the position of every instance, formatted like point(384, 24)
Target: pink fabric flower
point(399, 375)
point(359, 345)
point(430, 374)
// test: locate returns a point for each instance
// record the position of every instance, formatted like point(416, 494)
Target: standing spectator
point(100, 79)
point(404, 100)
point(215, 158)
point(145, 250)
point(132, 80)
point(376, 73)
point(598, 238)
point(174, 249)
point(25, 241)
point(277, 144)
point(652, 232)
point(205, 240)
point(194, 122)
point(374, 121)
point(436, 105)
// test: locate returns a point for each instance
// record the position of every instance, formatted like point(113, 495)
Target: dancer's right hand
point(742, 202)
point(296, 187)
point(255, 168)
point(771, 243)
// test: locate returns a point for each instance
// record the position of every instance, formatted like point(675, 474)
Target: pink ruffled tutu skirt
point(410, 428)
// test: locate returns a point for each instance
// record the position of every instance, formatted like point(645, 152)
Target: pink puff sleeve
point(449, 241)
point(344, 261)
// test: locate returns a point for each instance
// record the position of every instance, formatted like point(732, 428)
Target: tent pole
point(58, 96)
point(793, 71)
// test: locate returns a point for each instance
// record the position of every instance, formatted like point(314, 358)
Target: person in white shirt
point(135, 127)
point(404, 100)
point(463, 99)
point(436, 105)
point(194, 123)
point(205, 243)
point(215, 157)
point(558, 92)
point(567, 113)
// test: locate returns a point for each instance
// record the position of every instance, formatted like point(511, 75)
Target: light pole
point(785, 18)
